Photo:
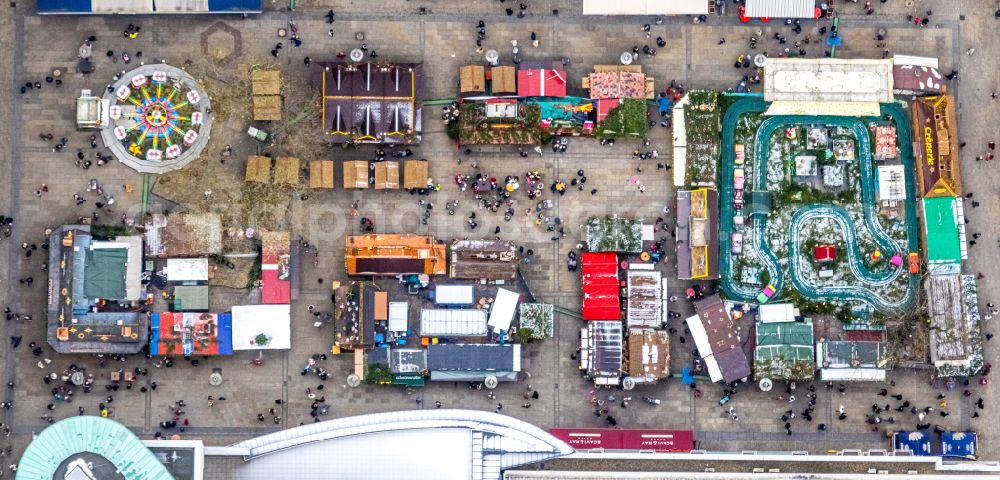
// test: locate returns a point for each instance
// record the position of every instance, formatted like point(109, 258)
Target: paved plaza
point(219, 51)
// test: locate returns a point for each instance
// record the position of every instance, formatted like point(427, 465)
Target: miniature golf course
point(868, 287)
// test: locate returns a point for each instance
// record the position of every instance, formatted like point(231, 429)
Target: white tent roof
point(187, 269)
point(701, 342)
point(454, 295)
point(645, 7)
point(777, 312)
point(399, 314)
point(503, 309)
point(274, 321)
point(452, 322)
point(781, 8)
point(828, 80)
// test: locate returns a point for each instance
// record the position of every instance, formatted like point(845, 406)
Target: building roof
point(386, 175)
point(605, 342)
point(780, 8)
point(648, 354)
point(191, 298)
point(849, 354)
point(394, 255)
point(824, 253)
point(452, 322)
point(917, 80)
point(321, 174)
point(885, 141)
point(891, 182)
point(467, 357)
point(941, 234)
point(354, 316)
point(645, 7)
point(472, 79)
point(419, 444)
point(251, 322)
point(483, 259)
point(503, 79)
point(89, 434)
point(275, 271)
point(600, 286)
point(935, 121)
point(952, 305)
point(717, 340)
point(286, 170)
point(175, 333)
point(617, 84)
point(104, 276)
point(266, 82)
point(784, 351)
point(828, 79)
point(79, 323)
point(541, 82)
point(415, 174)
point(258, 169)
point(368, 102)
point(644, 300)
point(698, 237)
point(356, 174)
point(614, 234)
point(183, 235)
point(187, 270)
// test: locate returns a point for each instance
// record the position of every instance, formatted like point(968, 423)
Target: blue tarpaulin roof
point(959, 444)
point(71, 7)
point(919, 443)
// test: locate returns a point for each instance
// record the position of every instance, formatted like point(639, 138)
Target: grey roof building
point(473, 362)
point(93, 290)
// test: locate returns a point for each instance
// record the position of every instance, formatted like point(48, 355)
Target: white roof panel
point(503, 309)
point(272, 321)
point(781, 8)
point(187, 269)
point(452, 322)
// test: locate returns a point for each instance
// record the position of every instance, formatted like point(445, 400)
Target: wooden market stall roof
point(618, 81)
point(386, 175)
point(356, 174)
point(504, 79)
point(267, 107)
point(258, 169)
point(472, 79)
point(266, 82)
point(394, 255)
point(286, 171)
point(266, 89)
point(321, 174)
point(935, 126)
point(415, 174)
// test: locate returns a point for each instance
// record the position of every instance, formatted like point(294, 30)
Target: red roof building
point(825, 253)
point(600, 287)
point(275, 267)
point(541, 82)
point(604, 106)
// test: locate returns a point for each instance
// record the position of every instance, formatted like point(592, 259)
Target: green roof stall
point(942, 232)
point(785, 351)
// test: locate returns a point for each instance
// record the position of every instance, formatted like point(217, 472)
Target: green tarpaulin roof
point(104, 276)
point(189, 298)
point(785, 333)
point(941, 229)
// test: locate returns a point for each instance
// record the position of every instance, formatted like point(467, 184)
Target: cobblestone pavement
point(443, 40)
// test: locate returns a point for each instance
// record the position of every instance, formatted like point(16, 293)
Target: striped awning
point(781, 8)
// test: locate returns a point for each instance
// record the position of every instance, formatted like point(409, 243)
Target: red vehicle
point(914, 263)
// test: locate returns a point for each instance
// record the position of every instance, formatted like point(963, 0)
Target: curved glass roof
point(89, 434)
